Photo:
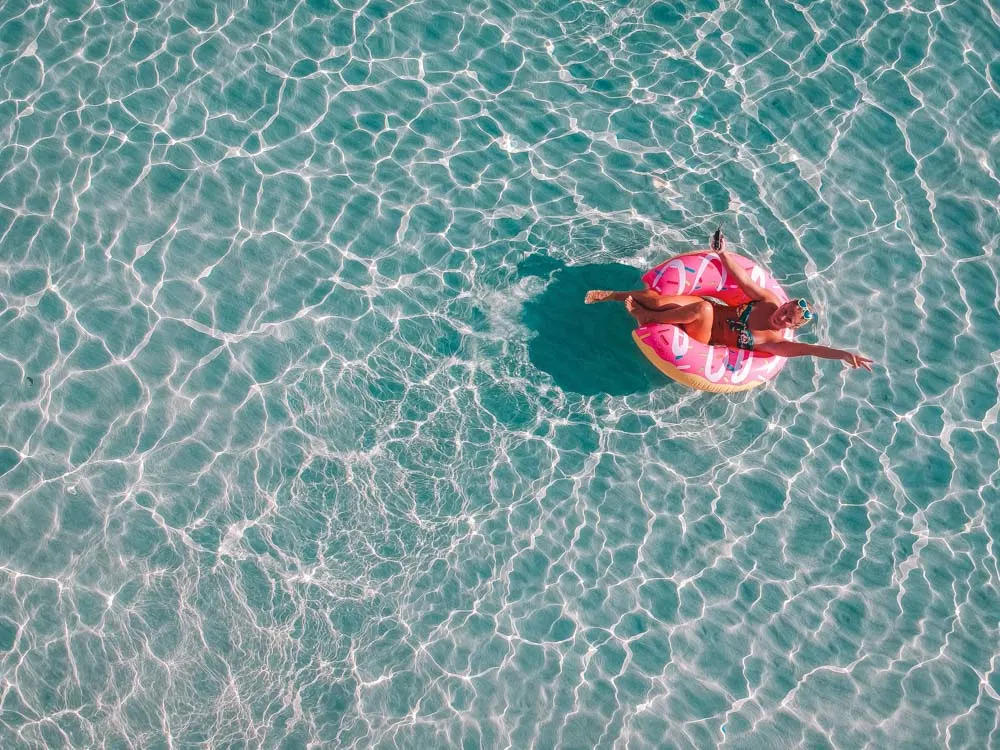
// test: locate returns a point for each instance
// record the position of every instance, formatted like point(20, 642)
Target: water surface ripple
point(306, 438)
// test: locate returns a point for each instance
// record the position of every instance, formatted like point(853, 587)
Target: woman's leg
point(695, 318)
point(601, 295)
point(648, 298)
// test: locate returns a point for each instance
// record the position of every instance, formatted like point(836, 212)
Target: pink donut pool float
point(719, 369)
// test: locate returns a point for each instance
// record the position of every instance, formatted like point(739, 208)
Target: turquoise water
point(306, 436)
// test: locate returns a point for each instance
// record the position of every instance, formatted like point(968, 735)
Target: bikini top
point(744, 336)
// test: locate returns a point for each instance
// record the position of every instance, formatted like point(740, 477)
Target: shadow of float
point(586, 349)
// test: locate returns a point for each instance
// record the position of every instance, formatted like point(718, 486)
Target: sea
point(307, 439)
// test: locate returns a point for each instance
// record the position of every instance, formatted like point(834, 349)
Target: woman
point(757, 325)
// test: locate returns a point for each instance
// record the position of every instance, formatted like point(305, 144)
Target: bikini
point(744, 336)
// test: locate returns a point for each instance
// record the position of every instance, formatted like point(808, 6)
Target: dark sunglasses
point(807, 314)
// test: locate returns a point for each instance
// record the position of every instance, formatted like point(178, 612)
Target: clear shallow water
point(308, 438)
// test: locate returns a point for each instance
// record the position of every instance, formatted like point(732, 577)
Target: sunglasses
point(807, 314)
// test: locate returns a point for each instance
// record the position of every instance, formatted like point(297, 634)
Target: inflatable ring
point(719, 369)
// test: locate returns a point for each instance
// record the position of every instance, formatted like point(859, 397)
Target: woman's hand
point(718, 243)
point(856, 360)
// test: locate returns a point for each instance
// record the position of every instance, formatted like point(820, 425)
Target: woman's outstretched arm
point(794, 349)
point(752, 289)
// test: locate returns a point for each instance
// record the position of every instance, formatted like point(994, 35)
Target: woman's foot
point(598, 295)
point(637, 311)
